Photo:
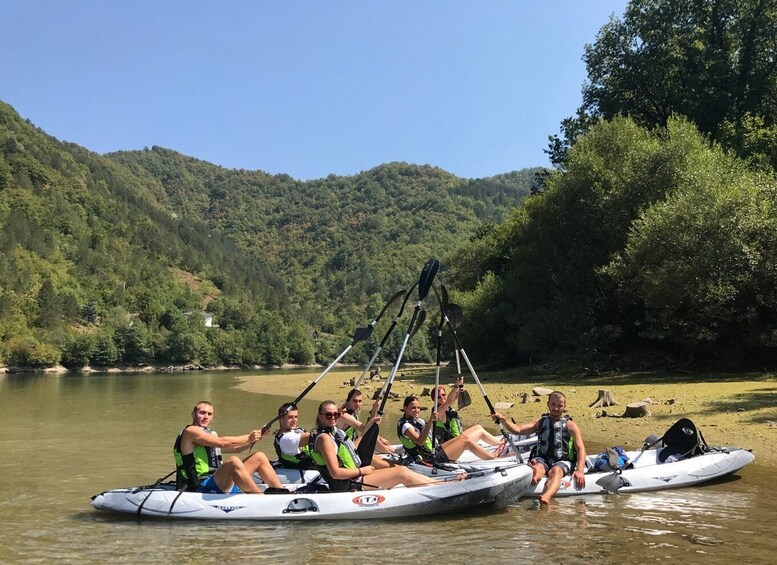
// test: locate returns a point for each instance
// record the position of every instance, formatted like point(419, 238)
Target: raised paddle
point(370, 438)
point(358, 335)
point(455, 317)
point(366, 446)
point(613, 481)
point(455, 310)
point(386, 335)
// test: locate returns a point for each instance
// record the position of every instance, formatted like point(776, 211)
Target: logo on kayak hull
point(367, 500)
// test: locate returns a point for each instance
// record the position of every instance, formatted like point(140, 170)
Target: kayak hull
point(485, 489)
point(649, 474)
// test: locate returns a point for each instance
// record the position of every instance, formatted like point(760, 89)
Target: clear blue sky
point(304, 88)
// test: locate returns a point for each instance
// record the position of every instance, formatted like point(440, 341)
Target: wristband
point(360, 471)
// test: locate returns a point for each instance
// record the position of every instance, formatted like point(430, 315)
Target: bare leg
point(555, 475)
point(259, 463)
point(455, 447)
point(380, 463)
point(233, 472)
point(388, 478)
point(477, 432)
point(538, 471)
point(383, 446)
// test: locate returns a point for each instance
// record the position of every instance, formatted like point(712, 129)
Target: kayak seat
point(682, 440)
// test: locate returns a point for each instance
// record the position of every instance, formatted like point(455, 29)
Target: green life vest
point(451, 428)
point(351, 432)
point(346, 457)
point(190, 467)
point(424, 451)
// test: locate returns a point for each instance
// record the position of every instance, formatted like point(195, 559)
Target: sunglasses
point(330, 414)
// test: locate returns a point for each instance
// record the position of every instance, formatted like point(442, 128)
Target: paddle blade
point(427, 277)
point(418, 324)
point(455, 315)
point(611, 483)
point(362, 333)
point(464, 399)
point(443, 298)
point(366, 446)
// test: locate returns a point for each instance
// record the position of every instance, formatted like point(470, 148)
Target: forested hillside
point(115, 260)
point(340, 243)
point(94, 270)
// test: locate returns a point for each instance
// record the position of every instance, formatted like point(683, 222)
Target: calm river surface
point(66, 438)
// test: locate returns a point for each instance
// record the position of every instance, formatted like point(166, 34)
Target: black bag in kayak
point(683, 439)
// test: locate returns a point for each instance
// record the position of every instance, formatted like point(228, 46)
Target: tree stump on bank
point(605, 398)
point(637, 410)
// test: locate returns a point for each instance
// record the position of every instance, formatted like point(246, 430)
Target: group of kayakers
point(332, 446)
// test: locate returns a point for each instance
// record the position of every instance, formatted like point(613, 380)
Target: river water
point(65, 438)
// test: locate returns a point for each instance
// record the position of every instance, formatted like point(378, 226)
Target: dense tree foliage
point(645, 237)
point(713, 61)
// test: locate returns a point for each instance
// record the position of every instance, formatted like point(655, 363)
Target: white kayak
point(490, 487)
point(649, 473)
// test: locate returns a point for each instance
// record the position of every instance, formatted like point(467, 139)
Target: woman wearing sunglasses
point(414, 433)
point(336, 458)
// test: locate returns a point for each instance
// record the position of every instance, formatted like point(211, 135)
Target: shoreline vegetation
point(730, 409)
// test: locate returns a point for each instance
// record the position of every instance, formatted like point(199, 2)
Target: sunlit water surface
point(66, 438)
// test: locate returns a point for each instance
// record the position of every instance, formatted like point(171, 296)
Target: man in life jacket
point(449, 426)
point(291, 441)
point(559, 446)
point(353, 427)
point(197, 453)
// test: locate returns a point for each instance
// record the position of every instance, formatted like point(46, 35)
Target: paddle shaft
point(518, 455)
point(386, 335)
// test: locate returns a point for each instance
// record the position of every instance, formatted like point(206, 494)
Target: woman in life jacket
point(353, 427)
point(414, 433)
point(335, 455)
point(449, 425)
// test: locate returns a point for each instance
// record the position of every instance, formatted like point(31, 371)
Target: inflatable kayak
point(649, 473)
point(491, 487)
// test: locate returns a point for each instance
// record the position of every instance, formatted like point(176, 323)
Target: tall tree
point(713, 61)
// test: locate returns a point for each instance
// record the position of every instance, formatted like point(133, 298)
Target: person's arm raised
point(419, 439)
point(227, 444)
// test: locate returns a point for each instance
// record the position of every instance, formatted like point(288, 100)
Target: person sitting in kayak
point(414, 434)
point(199, 465)
point(559, 448)
point(449, 426)
point(292, 444)
point(336, 458)
point(349, 420)
point(291, 441)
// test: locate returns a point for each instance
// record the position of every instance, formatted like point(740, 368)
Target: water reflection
point(68, 437)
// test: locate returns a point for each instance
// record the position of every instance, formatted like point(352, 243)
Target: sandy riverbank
point(742, 412)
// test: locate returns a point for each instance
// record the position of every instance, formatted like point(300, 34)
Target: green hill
point(107, 260)
point(339, 242)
